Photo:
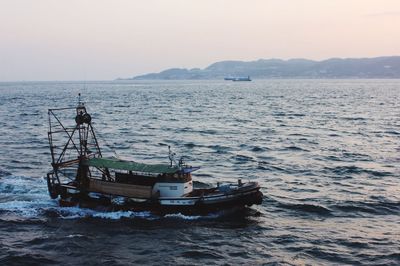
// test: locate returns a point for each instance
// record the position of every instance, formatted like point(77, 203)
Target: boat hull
point(199, 205)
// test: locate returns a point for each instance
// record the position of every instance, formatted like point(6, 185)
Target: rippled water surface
point(326, 153)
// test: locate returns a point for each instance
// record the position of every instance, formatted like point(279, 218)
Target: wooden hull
point(241, 197)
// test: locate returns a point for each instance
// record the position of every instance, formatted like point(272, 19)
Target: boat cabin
point(132, 179)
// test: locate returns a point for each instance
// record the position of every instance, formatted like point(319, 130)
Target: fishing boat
point(238, 78)
point(82, 176)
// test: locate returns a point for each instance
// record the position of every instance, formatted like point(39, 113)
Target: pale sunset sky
point(106, 39)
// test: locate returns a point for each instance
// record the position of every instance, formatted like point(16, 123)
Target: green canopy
point(114, 163)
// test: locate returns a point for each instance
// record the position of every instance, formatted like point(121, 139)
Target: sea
point(325, 152)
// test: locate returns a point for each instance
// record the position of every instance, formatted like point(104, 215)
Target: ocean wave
point(392, 132)
point(294, 148)
point(389, 258)
point(356, 156)
point(265, 166)
point(306, 207)
point(78, 213)
point(240, 158)
point(370, 207)
point(330, 255)
point(279, 114)
point(181, 216)
point(190, 145)
point(19, 258)
point(24, 197)
point(258, 149)
point(75, 236)
point(353, 118)
point(201, 254)
point(4, 173)
point(219, 148)
point(352, 169)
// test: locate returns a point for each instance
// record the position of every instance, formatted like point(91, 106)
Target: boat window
point(173, 188)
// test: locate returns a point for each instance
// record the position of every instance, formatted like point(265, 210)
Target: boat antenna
point(80, 103)
point(171, 156)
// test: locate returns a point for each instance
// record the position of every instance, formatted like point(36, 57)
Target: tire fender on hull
point(54, 189)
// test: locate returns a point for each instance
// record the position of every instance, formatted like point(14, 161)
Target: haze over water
point(326, 153)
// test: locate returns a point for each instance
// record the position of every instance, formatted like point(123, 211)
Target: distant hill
point(379, 67)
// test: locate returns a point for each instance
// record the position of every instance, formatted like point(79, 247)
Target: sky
point(107, 39)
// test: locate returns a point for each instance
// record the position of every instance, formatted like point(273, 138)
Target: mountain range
point(378, 67)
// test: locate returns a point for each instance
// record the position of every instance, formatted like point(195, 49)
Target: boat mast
point(88, 145)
